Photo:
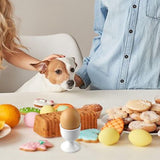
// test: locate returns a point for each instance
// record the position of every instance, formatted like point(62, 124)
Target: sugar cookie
point(156, 107)
point(118, 124)
point(42, 145)
point(150, 116)
point(40, 102)
point(149, 127)
point(114, 113)
point(139, 105)
point(136, 116)
point(89, 135)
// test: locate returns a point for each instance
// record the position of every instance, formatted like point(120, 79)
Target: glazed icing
point(33, 146)
point(62, 108)
point(89, 134)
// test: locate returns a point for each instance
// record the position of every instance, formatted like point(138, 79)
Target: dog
point(56, 75)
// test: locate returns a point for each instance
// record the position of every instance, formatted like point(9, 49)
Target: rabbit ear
point(41, 66)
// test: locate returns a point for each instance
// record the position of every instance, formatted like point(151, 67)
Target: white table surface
point(123, 150)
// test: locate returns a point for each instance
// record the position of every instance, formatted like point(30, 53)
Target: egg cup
point(70, 136)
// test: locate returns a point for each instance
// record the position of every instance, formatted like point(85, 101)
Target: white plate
point(6, 130)
point(104, 120)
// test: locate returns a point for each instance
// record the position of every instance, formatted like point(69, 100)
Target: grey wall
point(39, 17)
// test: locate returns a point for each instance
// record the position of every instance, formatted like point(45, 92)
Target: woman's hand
point(53, 56)
point(78, 80)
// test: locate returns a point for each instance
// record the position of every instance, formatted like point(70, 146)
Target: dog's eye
point(72, 69)
point(58, 71)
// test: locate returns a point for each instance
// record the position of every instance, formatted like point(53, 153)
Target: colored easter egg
point(29, 119)
point(47, 109)
point(109, 136)
point(139, 137)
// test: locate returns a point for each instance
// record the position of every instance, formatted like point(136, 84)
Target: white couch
point(40, 47)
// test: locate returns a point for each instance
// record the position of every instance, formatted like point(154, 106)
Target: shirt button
point(134, 6)
point(126, 56)
point(130, 31)
point(122, 80)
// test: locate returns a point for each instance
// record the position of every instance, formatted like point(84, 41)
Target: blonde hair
point(9, 41)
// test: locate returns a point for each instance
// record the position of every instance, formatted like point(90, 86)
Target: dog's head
point(60, 72)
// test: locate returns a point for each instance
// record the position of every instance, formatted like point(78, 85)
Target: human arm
point(23, 60)
point(99, 20)
point(20, 59)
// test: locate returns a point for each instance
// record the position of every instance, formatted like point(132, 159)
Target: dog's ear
point(41, 66)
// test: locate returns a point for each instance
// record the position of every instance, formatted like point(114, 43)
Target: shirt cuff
point(82, 73)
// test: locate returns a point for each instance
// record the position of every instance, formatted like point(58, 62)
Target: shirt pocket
point(153, 9)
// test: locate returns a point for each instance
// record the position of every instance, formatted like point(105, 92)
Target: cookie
point(136, 116)
point(149, 127)
point(95, 107)
point(150, 116)
point(114, 113)
point(89, 135)
point(42, 145)
point(157, 99)
point(139, 105)
point(40, 102)
point(26, 110)
point(118, 124)
point(156, 107)
point(126, 109)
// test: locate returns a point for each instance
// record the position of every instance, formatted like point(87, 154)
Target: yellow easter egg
point(139, 137)
point(109, 136)
point(47, 109)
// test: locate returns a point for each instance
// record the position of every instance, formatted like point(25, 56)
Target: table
point(123, 150)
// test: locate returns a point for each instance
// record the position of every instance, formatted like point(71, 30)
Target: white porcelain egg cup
point(70, 145)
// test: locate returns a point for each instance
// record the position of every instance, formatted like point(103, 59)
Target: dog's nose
point(70, 83)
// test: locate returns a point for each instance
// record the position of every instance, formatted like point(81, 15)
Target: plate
point(104, 120)
point(6, 130)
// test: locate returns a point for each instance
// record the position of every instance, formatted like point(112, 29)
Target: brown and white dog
point(55, 76)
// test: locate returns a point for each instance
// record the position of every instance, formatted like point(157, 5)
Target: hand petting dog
point(55, 75)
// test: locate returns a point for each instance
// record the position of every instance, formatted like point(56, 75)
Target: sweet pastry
point(29, 119)
point(149, 127)
point(26, 110)
point(139, 105)
point(136, 116)
point(118, 124)
point(47, 125)
point(62, 106)
point(157, 99)
point(127, 110)
point(40, 102)
point(150, 117)
point(42, 145)
point(114, 113)
point(89, 135)
point(156, 107)
point(95, 107)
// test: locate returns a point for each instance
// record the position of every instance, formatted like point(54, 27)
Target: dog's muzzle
point(70, 84)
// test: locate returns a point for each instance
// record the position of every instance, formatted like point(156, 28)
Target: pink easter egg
point(29, 119)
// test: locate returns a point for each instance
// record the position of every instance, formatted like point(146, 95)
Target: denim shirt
point(126, 52)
